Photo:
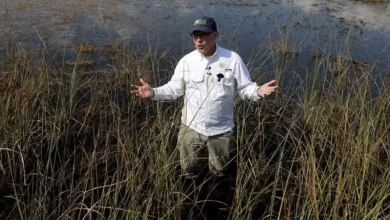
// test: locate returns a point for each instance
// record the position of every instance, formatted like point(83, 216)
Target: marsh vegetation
point(76, 145)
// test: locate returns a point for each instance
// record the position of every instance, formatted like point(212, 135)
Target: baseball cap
point(204, 24)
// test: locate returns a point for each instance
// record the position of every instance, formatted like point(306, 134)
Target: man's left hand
point(267, 89)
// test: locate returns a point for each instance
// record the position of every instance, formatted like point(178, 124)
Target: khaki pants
point(196, 150)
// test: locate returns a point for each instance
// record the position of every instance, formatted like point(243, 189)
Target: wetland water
point(247, 25)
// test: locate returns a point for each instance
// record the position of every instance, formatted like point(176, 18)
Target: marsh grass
point(76, 145)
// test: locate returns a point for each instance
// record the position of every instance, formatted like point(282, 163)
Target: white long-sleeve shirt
point(209, 101)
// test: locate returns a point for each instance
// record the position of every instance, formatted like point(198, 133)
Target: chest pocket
point(226, 85)
point(195, 81)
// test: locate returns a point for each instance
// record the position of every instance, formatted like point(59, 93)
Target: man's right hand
point(144, 91)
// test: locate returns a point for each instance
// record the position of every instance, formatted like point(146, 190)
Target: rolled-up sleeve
point(174, 88)
point(245, 87)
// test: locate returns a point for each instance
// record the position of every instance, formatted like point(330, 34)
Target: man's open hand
point(267, 88)
point(144, 91)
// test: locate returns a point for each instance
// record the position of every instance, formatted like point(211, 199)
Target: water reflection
point(245, 25)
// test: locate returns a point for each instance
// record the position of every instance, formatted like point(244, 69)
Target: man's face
point(205, 42)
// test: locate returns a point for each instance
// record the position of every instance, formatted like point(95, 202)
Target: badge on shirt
point(224, 66)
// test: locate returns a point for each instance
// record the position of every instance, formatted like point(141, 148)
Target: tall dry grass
point(76, 145)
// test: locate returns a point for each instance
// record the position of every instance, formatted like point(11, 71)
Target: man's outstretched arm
point(248, 89)
point(170, 91)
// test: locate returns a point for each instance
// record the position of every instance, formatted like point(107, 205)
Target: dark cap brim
point(202, 29)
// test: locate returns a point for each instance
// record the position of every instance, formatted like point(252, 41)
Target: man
point(208, 78)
